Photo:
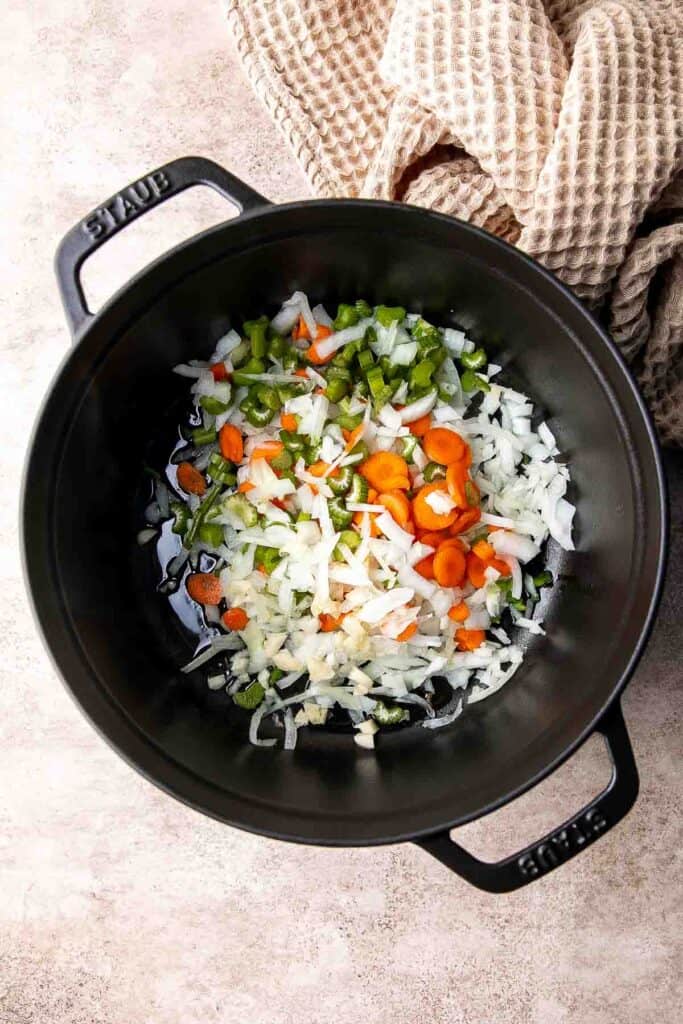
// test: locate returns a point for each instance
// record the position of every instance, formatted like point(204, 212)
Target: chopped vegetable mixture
point(374, 506)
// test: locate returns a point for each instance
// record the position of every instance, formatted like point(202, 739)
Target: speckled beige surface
point(119, 905)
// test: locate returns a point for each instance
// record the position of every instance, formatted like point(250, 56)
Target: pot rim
point(159, 758)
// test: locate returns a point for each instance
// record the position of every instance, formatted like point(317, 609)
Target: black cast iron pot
point(116, 643)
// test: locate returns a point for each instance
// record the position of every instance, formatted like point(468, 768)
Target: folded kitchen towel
point(557, 124)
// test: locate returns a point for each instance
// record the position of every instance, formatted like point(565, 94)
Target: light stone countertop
point(118, 905)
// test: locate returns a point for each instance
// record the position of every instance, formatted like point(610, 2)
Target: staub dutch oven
point(118, 646)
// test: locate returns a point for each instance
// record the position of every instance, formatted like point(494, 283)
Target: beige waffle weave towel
point(554, 123)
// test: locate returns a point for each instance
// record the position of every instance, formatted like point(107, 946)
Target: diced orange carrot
point(268, 450)
point(424, 515)
point(359, 519)
point(328, 623)
point(312, 353)
point(301, 330)
point(231, 443)
point(351, 436)
point(235, 618)
point(245, 487)
point(484, 550)
point(500, 566)
point(459, 612)
point(220, 371)
point(449, 566)
point(190, 479)
point(288, 421)
point(406, 633)
point(420, 427)
point(320, 468)
point(301, 372)
point(204, 588)
point(469, 639)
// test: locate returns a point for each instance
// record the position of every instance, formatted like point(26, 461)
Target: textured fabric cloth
point(556, 124)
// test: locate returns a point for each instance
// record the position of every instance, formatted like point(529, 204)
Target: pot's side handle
point(563, 843)
point(131, 202)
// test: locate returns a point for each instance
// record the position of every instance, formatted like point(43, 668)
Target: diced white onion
point(506, 543)
point(420, 408)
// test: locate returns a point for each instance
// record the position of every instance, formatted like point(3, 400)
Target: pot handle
point(563, 843)
point(132, 202)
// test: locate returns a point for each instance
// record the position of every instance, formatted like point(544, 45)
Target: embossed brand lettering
point(126, 204)
point(546, 856)
point(527, 866)
point(562, 845)
point(595, 821)
point(161, 181)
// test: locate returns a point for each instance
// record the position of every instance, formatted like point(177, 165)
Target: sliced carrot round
point(190, 479)
point(235, 618)
point(476, 569)
point(459, 612)
point(396, 483)
point(453, 542)
point(382, 469)
point(456, 478)
point(466, 520)
point(425, 567)
point(420, 427)
point(231, 443)
point(204, 588)
point(396, 503)
point(449, 566)
point(432, 537)
point(406, 633)
point(469, 639)
point(443, 446)
point(424, 515)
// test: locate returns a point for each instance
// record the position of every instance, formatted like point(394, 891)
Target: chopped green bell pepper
point(250, 698)
point(387, 315)
point(474, 360)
